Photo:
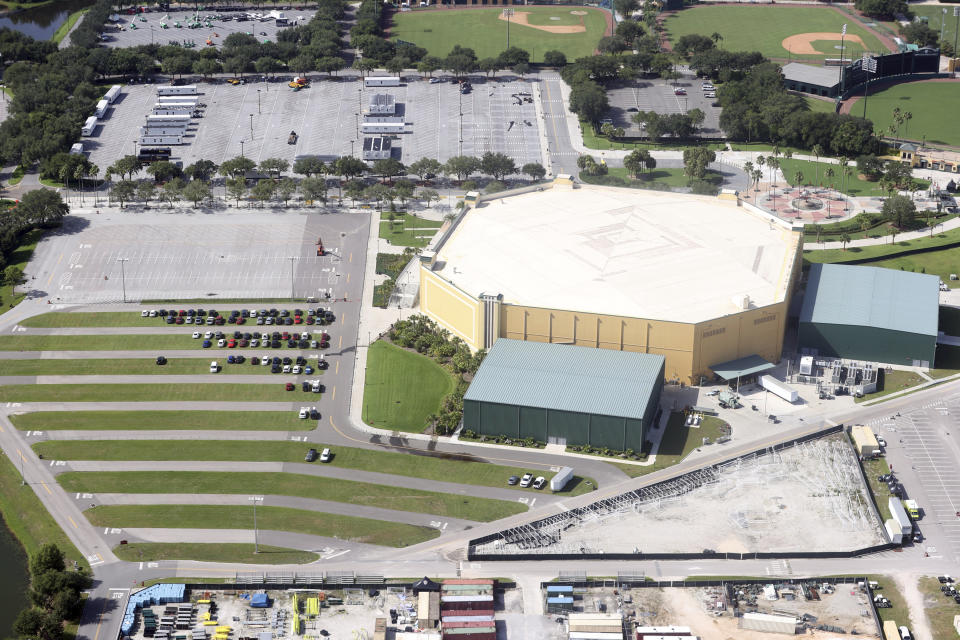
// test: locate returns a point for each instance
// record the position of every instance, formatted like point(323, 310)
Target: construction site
point(815, 608)
point(806, 497)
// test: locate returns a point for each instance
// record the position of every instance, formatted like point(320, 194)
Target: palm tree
point(773, 164)
point(828, 173)
point(817, 151)
point(757, 175)
point(819, 229)
point(748, 168)
point(844, 239)
point(798, 180)
point(907, 117)
point(716, 37)
point(893, 234)
point(897, 119)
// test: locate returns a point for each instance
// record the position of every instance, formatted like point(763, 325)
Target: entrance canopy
point(741, 367)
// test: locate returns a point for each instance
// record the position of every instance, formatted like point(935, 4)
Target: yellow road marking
point(103, 607)
point(72, 522)
point(50, 279)
point(340, 344)
point(1, 429)
point(351, 257)
point(337, 370)
point(19, 453)
point(334, 397)
point(44, 485)
point(348, 278)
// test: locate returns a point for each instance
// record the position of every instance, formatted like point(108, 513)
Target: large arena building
point(698, 280)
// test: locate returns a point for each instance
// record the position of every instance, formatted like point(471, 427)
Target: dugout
point(872, 314)
point(565, 394)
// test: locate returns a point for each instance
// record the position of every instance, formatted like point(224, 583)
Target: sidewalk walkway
point(953, 223)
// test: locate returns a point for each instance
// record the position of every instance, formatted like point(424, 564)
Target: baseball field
point(573, 30)
point(777, 31)
point(932, 105)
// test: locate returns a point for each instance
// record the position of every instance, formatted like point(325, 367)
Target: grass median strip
point(147, 342)
point(241, 553)
point(147, 392)
point(290, 484)
point(190, 516)
point(125, 366)
point(148, 420)
point(402, 464)
point(60, 319)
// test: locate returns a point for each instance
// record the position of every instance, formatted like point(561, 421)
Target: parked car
point(161, 360)
point(326, 456)
point(312, 453)
point(513, 480)
point(526, 480)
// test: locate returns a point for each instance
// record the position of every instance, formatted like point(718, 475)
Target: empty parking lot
point(256, 119)
point(227, 254)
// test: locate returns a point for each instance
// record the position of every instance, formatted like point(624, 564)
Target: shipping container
point(558, 482)
point(779, 388)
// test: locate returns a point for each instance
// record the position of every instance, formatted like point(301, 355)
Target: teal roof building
point(565, 394)
point(872, 314)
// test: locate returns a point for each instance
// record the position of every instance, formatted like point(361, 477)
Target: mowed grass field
point(191, 516)
point(763, 28)
point(290, 484)
point(402, 388)
point(243, 553)
point(933, 106)
point(147, 420)
point(159, 392)
point(484, 32)
point(127, 366)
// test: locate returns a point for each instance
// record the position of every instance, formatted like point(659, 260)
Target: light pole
point(291, 259)
point(356, 123)
point(255, 500)
point(251, 127)
point(241, 149)
point(123, 276)
point(507, 13)
point(956, 29)
point(258, 102)
point(135, 148)
point(943, 21)
point(843, 34)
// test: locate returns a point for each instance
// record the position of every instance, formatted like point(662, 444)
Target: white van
point(214, 367)
point(905, 633)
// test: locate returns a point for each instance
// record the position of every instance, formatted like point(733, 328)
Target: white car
point(153, 313)
point(266, 361)
point(254, 343)
point(214, 367)
point(540, 482)
point(144, 313)
point(881, 442)
point(526, 480)
point(325, 455)
point(304, 412)
point(221, 342)
point(208, 335)
point(286, 368)
point(297, 369)
point(196, 334)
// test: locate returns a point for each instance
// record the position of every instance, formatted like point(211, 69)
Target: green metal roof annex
point(872, 297)
point(567, 378)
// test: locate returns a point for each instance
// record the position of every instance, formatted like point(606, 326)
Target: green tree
point(403, 189)
point(844, 239)
point(696, 160)
point(237, 188)
point(461, 166)
point(425, 167)
point(554, 58)
point(428, 195)
point(285, 189)
point(355, 190)
point(237, 167)
point(173, 189)
point(123, 191)
point(379, 193)
point(163, 170)
point(388, 168)
point(196, 192)
point(309, 166)
point(314, 189)
point(145, 190)
point(899, 210)
point(497, 165)
point(125, 167)
point(42, 208)
point(264, 190)
point(274, 166)
point(13, 275)
point(535, 170)
point(201, 170)
point(634, 162)
point(38, 624)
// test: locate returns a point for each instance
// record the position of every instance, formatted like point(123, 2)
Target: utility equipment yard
point(808, 497)
point(255, 120)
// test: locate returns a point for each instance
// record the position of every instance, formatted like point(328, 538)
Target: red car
point(289, 386)
point(297, 320)
point(231, 344)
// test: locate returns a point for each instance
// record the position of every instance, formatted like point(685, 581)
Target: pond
point(42, 22)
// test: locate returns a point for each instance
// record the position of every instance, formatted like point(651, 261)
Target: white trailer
point(162, 131)
point(170, 112)
point(383, 127)
point(378, 118)
point(101, 108)
point(560, 480)
point(779, 388)
point(381, 81)
point(176, 124)
point(185, 90)
point(179, 117)
point(178, 107)
point(113, 93)
point(77, 149)
point(161, 140)
point(894, 531)
point(89, 126)
point(898, 513)
point(193, 99)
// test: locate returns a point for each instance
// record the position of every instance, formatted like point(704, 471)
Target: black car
point(161, 360)
point(287, 361)
point(311, 455)
point(170, 320)
point(304, 344)
point(314, 414)
point(288, 321)
point(323, 364)
point(301, 360)
point(275, 344)
point(512, 480)
point(275, 369)
point(255, 360)
point(292, 344)
point(305, 386)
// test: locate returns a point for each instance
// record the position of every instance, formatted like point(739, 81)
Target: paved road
point(307, 504)
point(151, 353)
point(220, 378)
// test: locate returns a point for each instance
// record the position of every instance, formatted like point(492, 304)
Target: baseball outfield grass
point(483, 31)
point(189, 516)
point(932, 104)
point(390, 401)
point(159, 392)
point(763, 28)
point(160, 420)
point(367, 494)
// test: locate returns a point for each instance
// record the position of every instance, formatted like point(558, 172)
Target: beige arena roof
point(623, 252)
